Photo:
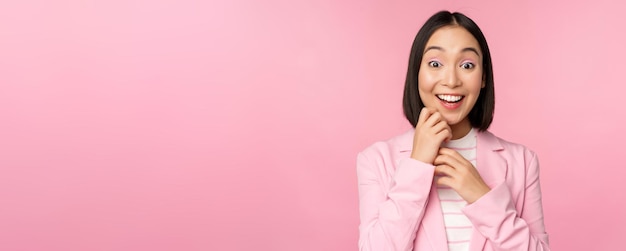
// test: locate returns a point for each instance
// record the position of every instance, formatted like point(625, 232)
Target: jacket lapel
point(492, 169)
point(433, 221)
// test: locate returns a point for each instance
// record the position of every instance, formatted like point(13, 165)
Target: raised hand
point(431, 130)
point(459, 174)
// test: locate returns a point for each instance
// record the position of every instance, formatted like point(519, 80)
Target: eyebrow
point(472, 49)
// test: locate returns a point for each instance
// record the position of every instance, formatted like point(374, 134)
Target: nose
point(450, 78)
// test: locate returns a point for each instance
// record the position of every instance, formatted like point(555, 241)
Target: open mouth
point(450, 98)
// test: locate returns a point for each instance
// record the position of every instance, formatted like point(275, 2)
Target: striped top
point(458, 227)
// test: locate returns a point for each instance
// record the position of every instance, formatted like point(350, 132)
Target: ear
point(483, 84)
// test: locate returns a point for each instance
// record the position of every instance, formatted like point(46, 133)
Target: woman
point(449, 184)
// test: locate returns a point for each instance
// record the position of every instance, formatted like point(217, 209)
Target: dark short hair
point(481, 114)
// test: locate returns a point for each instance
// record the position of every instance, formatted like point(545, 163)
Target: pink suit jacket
point(400, 208)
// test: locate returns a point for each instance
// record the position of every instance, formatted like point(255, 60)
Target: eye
point(467, 65)
point(434, 64)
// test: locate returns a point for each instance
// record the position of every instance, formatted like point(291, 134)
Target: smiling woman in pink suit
point(449, 184)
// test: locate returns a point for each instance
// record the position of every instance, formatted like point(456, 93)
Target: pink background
point(234, 125)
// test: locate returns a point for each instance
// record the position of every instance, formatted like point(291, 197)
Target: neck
point(461, 129)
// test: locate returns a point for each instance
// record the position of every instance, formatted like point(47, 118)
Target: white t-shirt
point(458, 226)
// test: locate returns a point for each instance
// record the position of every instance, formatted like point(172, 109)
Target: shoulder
point(511, 150)
point(381, 158)
point(398, 143)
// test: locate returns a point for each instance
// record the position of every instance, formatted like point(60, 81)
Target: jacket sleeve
point(389, 220)
point(495, 216)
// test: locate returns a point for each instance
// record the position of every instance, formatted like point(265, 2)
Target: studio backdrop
point(235, 125)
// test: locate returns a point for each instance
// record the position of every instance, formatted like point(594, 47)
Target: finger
point(443, 135)
point(444, 170)
point(445, 181)
point(434, 119)
point(452, 153)
point(444, 159)
point(442, 120)
point(424, 115)
point(441, 128)
point(446, 151)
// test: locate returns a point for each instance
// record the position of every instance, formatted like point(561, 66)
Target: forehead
point(453, 39)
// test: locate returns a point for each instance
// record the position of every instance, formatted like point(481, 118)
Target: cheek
point(426, 77)
point(425, 82)
point(474, 82)
point(425, 91)
point(422, 94)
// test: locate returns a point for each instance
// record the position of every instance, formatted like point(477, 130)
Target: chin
point(453, 122)
point(454, 118)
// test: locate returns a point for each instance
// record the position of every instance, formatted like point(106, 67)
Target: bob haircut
point(481, 114)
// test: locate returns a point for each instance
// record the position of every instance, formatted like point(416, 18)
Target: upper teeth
point(450, 98)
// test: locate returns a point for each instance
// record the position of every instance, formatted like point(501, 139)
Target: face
point(451, 74)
